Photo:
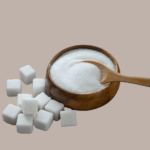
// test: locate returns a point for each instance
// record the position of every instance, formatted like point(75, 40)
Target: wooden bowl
point(82, 101)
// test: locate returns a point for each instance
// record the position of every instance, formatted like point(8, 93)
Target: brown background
point(33, 31)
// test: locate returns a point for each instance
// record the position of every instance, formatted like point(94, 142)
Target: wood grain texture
point(82, 101)
point(108, 75)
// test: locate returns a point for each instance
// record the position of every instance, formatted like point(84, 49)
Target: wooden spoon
point(108, 75)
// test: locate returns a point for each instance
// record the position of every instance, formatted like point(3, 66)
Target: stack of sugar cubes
point(38, 110)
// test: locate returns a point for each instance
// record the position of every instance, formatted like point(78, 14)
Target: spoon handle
point(123, 78)
point(108, 75)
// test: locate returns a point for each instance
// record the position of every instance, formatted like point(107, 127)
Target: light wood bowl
point(82, 101)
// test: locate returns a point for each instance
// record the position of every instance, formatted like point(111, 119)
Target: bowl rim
point(117, 69)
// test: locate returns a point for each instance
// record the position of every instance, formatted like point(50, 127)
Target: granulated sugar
point(81, 77)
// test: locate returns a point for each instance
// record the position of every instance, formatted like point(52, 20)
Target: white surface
point(68, 118)
point(29, 105)
point(38, 86)
point(43, 120)
point(13, 87)
point(27, 74)
point(43, 99)
point(21, 96)
point(10, 114)
point(55, 108)
point(24, 124)
point(81, 77)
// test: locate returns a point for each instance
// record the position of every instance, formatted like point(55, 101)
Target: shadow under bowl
point(87, 101)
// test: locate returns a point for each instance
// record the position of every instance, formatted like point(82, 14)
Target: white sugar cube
point(21, 96)
point(13, 87)
point(43, 99)
point(68, 118)
point(24, 123)
point(38, 86)
point(10, 114)
point(55, 108)
point(27, 74)
point(43, 120)
point(29, 105)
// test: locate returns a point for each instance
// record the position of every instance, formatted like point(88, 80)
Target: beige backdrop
point(33, 31)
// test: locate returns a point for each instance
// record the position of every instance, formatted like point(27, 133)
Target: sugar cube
point(13, 87)
point(24, 123)
point(38, 86)
point(21, 96)
point(54, 107)
point(29, 105)
point(68, 118)
point(43, 120)
point(43, 99)
point(27, 74)
point(10, 114)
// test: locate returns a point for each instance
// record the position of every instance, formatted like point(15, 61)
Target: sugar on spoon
point(108, 75)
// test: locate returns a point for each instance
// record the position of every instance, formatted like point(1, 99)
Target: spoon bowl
point(86, 101)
